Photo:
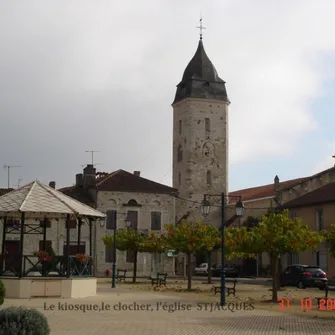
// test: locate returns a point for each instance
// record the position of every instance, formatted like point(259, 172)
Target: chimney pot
point(89, 178)
point(79, 179)
point(276, 182)
point(137, 173)
point(52, 184)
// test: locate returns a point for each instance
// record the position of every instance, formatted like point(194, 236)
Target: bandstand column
point(21, 245)
point(68, 267)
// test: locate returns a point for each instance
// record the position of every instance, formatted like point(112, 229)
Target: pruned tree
point(329, 236)
point(276, 234)
point(211, 241)
point(128, 240)
point(186, 237)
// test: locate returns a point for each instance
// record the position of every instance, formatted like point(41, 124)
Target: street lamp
point(114, 246)
point(205, 210)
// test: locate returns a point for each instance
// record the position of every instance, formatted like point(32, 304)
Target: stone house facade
point(146, 204)
point(317, 210)
point(258, 200)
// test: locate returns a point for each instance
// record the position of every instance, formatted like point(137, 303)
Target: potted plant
point(82, 258)
point(43, 256)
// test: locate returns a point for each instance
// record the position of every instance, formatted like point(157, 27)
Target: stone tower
point(200, 136)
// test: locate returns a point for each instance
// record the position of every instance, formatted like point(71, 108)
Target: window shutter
point(48, 245)
point(155, 220)
point(132, 217)
point(109, 254)
point(130, 258)
point(48, 223)
point(111, 219)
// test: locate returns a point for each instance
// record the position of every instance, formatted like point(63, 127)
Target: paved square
point(154, 320)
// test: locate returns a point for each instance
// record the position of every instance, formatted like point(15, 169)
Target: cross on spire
point(201, 27)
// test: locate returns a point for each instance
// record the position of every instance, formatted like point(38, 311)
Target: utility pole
point(92, 152)
point(8, 167)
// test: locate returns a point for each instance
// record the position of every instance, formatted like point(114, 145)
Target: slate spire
point(200, 79)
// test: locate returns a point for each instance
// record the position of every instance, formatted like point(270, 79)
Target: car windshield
point(204, 265)
point(313, 269)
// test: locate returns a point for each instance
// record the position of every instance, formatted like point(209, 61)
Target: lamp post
point(205, 209)
point(114, 227)
point(114, 247)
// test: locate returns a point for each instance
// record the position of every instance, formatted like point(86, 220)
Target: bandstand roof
point(37, 200)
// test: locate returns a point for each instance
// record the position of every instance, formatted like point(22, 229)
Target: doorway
point(12, 256)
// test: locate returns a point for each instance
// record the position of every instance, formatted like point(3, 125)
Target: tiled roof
point(265, 190)
point(321, 195)
point(38, 198)
point(5, 191)
point(77, 193)
point(123, 181)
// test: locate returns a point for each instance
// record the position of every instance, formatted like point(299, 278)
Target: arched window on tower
point(179, 179)
point(207, 125)
point(209, 178)
point(180, 153)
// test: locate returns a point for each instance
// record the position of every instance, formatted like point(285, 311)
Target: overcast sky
point(84, 75)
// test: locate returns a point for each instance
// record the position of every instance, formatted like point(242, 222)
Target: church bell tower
point(200, 136)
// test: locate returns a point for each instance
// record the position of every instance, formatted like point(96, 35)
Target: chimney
point(276, 183)
point(89, 176)
point(137, 173)
point(79, 180)
point(52, 184)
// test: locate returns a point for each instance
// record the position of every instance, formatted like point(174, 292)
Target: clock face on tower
point(208, 150)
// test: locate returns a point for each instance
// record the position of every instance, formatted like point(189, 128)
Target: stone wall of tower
point(203, 167)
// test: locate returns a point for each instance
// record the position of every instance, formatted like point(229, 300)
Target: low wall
point(67, 288)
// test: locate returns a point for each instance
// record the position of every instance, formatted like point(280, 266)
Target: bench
point(159, 280)
point(121, 275)
point(325, 298)
point(230, 290)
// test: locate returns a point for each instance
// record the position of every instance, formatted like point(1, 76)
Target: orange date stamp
point(306, 304)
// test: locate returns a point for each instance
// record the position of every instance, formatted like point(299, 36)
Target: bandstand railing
point(36, 266)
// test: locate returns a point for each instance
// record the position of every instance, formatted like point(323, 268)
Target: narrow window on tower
point(180, 153)
point(180, 125)
point(207, 125)
point(179, 179)
point(209, 178)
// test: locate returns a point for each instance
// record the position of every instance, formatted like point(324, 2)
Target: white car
point(202, 269)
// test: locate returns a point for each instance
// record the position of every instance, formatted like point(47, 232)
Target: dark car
point(304, 276)
point(230, 270)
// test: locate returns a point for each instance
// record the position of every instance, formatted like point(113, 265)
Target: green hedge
point(22, 321)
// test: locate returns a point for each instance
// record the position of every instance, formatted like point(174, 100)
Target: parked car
point(202, 269)
point(231, 270)
point(304, 276)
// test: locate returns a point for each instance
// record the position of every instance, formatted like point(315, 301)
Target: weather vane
point(201, 27)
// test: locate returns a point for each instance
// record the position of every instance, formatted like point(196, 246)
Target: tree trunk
point(280, 269)
point(189, 272)
point(274, 272)
point(135, 267)
point(209, 261)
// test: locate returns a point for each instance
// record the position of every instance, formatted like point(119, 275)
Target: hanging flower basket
point(43, 256)
point(82, 258)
